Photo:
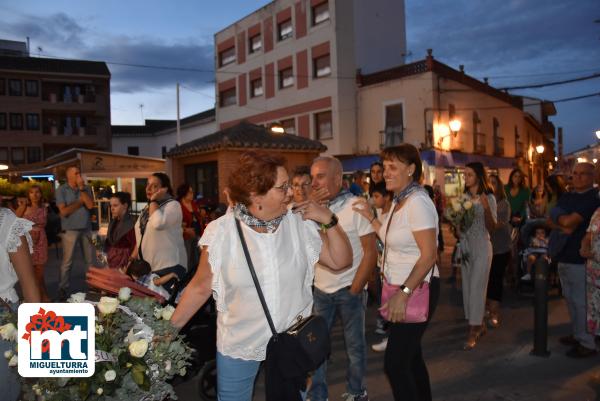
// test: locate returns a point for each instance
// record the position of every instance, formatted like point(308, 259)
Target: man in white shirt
point(343, 293)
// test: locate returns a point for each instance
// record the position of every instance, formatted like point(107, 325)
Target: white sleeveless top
point(12, 229)
point(284, 262)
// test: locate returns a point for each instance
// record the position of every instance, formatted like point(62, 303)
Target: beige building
point(49, 105)
point(295, 62)
point(415, 103)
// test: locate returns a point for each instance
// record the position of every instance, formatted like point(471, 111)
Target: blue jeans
point(69, 240)
point(235, 378)
point(351, 309)
point(572, 279)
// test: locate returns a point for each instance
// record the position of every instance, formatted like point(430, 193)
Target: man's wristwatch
point(332, 223)
point(405, 289)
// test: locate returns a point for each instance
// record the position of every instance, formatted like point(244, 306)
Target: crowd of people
point(323, 245)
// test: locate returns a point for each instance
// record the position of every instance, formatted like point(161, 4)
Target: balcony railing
point(498, 146)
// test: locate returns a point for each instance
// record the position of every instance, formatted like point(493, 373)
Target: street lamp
point(454, 126)
point(539, 149)
point(277, 128)
point(3, 167)
point(598, 134)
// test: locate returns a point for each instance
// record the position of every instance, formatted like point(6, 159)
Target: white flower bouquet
point(137, 354)
point(460, 213)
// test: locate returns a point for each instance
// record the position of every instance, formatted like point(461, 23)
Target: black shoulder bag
point(304, 346)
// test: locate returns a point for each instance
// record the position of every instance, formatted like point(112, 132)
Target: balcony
point(480, 143)
point(498, 146)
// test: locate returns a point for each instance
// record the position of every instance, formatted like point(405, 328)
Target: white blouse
point(284, 262)
point(417, 214)
point(12, 229)
point(162, 245)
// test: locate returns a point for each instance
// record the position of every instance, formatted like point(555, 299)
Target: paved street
point(499, 368)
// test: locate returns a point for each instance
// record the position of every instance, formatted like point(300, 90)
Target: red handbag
point(417, 306)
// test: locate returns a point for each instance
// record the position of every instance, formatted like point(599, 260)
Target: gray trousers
point(69, 240)
point(475, 272)
point(572, 279)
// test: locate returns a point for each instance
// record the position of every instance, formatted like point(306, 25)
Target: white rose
point(182, 372)
point(456, 206)
point(99, 329)
point(108, 305)
point(99, 391)
point(36, 389)
point(157, 312)
point(110, 375)
point(8, 332)
point(13, 361)
point(138, 348)
point(467, 205)
point(167, 312)
point(124, 294)
point(78, 297)
point(168, 366)
point(8, 354)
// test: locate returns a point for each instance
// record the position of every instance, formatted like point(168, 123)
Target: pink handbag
point(417, 307)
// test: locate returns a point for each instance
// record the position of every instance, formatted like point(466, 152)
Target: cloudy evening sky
point(513, 42)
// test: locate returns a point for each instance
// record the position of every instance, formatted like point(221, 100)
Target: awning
point(352, 164)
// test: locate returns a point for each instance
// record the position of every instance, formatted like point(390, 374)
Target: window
point(323, 125)
point(256, 88)
point(32, 122)
point(286, 78)
point(204, 179)
point(15, 87)
point(285, 30)
point(393, 134)
point(32, 88)
point(320, 13)
point(227, 97)
point(227, 56)
point(68, 126)
point(289, 126)
point(34, 154)
point(133, 150)
point(255, 43)
point(478, 137)
point(67, 94)
point(16, 121)
point(17, 155)
point(2, 86)
point(321, 66)
point(4, 154)
point(498, 140)
point(2, 120)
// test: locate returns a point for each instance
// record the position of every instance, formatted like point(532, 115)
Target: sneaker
point(526, 277)
point(380, 346)
point(579, 351)
point(358, 397)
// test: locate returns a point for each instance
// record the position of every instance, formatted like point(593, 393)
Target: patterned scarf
point(409, 190)
point(242, 213)
point(340, 198)
point(145, 215)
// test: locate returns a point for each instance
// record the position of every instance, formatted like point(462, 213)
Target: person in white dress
point(284, 246)
point(15, 266)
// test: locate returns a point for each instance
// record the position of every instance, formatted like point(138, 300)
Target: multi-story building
point(295, 62)
point(50, 105)
point(156, 137)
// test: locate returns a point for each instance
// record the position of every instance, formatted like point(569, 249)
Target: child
point(538, 247)
point(141, 273)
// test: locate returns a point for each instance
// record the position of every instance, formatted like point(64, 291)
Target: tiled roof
point(246, 135)
point(152, 127)
point(441, 69)
point(51, 65)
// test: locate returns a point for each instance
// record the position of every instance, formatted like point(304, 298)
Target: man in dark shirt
point(572, 217)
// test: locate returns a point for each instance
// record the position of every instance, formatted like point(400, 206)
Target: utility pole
point(178, 122)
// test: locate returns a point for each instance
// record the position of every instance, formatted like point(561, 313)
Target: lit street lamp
point(3, 167)
point(454, 126)
point(539, 149)
point(598, 134)
point(277, 128)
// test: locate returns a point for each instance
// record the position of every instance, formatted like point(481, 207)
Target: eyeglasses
point(297, 186)
point(284, 187)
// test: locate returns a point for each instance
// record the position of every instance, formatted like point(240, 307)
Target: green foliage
point(20, 189)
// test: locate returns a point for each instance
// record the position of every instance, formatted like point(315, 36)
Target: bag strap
point(254, 278)
point(385, 243)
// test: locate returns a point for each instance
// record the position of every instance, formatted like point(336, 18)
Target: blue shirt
point(80, 218)
point(584, 204)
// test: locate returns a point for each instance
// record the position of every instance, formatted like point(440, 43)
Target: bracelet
point(332, 223)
